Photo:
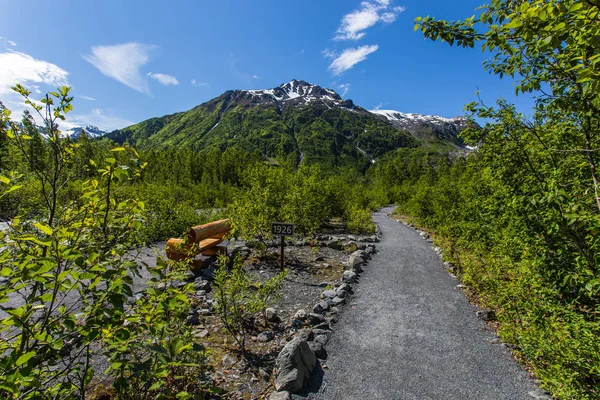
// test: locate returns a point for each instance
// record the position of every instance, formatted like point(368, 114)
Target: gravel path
point(409, 333)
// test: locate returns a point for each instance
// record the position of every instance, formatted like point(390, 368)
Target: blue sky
point(131, 60)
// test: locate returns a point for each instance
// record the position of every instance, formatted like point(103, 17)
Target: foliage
point(312, 134)
point(530, 196)
point(67, 274)
point(239, 298)
point(154, 353)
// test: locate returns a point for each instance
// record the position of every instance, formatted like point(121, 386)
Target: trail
point(409, 333)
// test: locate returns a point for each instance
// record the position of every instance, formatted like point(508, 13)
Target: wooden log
point(208, 243)
point(213, 229)
point(215, 251)
point(177, 250)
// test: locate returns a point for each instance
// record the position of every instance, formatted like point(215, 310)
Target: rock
point(330, 294)
point(344, 287)
point(361, 246)
point(285, 395)
point(349, 277)
point(334, 244)
point(294, 365)
point(324, 326)
point(202, 284)
point(361, 254)
point(318, 349)
point(334, 310)
point(242, 251)
point(209, 272)
point(352, 237)
point(355, 259)
point(540, 394)
point(266, 336)
point(202, 334)
point(192, 320)
point(264, 374)
point(370, 249)
point(204, 311)
point(336, 301)
point(271, 315)
point(321, 307)
point(340, 293)
point(320, 258)
point(323, 339)
point(486, 315)
point(315, 318)
point(304, 334)
point(300, 243)
point(229, 360)
point(301, 315)
point(318, 332)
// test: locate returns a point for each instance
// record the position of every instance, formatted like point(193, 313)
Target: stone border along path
point(409, 333)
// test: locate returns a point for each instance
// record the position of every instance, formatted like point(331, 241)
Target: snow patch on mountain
point(413, 117)
point(297, 93)
point(90, 130)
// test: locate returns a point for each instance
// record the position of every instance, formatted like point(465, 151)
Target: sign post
point(282, 230)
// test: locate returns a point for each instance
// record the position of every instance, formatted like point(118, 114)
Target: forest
point(518, 218)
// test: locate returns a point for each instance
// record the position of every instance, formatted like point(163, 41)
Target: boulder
point(202, 284)
point(323, 339)
point(321, 307)
point(336, 301)
point(329, 294)
point(355, 259)
point(304, 334)
point(318, 349)
point(349, 277)
point(294, 365)
point(271, 315)
point(315, 318)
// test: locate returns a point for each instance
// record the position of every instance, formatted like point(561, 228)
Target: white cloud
point(371, 12)
point(87, 98)
point(350, 57)
point(344, 87)
point(195, 83)
point(5, 42)
point(123, 63)
point(96, 117)
point(164, 78)
point(256, 77)
point(21, 68)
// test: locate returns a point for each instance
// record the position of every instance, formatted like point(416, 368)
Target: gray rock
point(540, 394)
point(192, 320)
point(271, 315)
point(318, 349)
point(334, 244)
point(355, 260)
point(202, 334)
point(323, 339)
point(315, 318)
point(318, 332)
point(300, 243)
point(301, 315)
point(319, 258)
point(285, 395)
point(266, 336)
point(330, 294)
point(349, 277)
point(209, 272)
point(321, 307)
point(340, 293)
point(352, 237)
point(304, 334)
point(336, 301)
point(202, 284)
point(229, 360)
point(486, 315)
point(294, 365)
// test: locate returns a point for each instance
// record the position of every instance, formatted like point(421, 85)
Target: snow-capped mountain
point(90, 130)
point(426, 126)
point(293, 93)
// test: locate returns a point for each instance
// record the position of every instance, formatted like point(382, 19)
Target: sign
point(282, 229)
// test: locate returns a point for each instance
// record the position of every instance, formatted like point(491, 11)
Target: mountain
point(297, 121)
point(427, 128)
point(90, 130)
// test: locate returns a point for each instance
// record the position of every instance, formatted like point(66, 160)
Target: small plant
point(239, 298)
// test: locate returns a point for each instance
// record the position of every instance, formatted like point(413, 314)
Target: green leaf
point(44, 228)
point(25, 357)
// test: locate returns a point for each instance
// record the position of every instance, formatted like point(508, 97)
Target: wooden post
point(282, 261)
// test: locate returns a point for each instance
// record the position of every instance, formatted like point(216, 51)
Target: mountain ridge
point(297, 120)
